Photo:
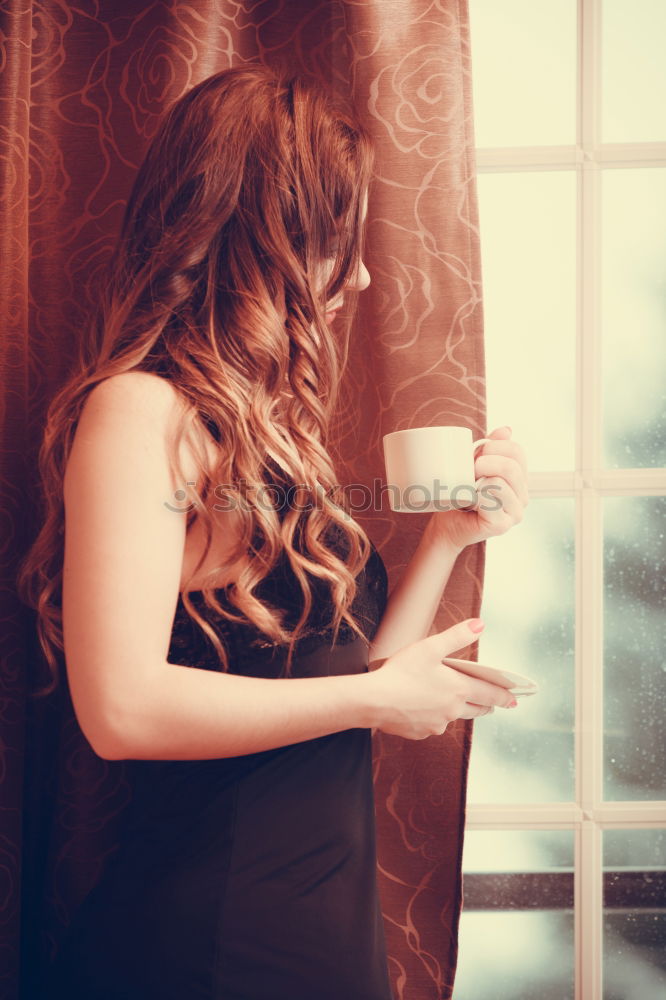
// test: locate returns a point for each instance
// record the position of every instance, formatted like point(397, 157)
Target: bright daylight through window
point(565, 846)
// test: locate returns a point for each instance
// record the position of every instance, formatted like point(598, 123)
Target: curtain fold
point(417, 360)
point(81, 92)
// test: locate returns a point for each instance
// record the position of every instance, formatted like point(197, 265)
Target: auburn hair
point(254, 177)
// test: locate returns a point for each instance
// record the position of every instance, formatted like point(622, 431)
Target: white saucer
point(515, 683)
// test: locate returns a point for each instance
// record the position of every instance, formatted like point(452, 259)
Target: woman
point(246, 867)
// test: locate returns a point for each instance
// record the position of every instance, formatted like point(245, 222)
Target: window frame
point(589, 815)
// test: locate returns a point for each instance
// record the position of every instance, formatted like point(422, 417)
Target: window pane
point(517, 850)
point(526, 948)
point(634, 945)
point(634, 317)
point(525, 754)
point(633, 71)
point(524, 72)
point(634, 638)
point(528, 249)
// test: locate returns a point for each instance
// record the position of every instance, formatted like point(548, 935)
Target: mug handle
point(475, 444)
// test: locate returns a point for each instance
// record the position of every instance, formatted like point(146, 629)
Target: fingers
point(484, 693)
point(477, 693)
point(496, 491)
point(510, 469)
point(471, 711)
point(511, 449)
point(451, 639)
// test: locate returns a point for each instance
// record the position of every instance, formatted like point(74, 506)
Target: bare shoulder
point(133, 405)
point(134, 394)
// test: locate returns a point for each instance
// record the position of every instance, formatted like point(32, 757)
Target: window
point(565, 848)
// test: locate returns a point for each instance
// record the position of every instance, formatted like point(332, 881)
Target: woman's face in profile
point(356, 282)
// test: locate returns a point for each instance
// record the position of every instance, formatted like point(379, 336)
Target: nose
point(359, 280)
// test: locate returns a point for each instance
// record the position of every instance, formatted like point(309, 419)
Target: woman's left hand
point(502, 466)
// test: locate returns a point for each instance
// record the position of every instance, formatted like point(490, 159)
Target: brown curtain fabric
point(81, 89)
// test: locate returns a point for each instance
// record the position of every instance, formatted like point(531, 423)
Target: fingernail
point(507, 428)
point(476, 624)
point(512, 704)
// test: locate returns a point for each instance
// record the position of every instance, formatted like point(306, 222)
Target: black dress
point(249, 877)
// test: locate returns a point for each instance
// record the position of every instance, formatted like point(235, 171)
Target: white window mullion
point(643, 154)
point(637, 815)
point(515, 158)
point(588, 904)
point(564, 816)
point(588, 740)
point(588, 891)
point(531, 158)
point(605, 482)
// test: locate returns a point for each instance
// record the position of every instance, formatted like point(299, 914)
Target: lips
point(331, 313)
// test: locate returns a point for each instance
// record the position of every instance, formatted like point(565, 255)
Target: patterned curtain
point(81, 90)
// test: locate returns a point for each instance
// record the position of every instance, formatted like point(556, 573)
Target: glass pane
point(634, 638)
point(528, 249)
point(519, 946)
point(633, 37)
point(634, 317)
point(525, 754)
point(518, 851)
point(634, 943)
point(523, 72)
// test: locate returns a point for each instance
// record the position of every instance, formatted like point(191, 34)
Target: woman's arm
point(121, 578)
point(184, 713)
point(413, 603)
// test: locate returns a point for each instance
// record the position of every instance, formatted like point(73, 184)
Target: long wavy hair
point(254, 177)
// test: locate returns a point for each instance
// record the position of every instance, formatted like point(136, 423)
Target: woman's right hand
point(416, 695)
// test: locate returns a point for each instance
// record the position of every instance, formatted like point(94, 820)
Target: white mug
point(431, 468)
